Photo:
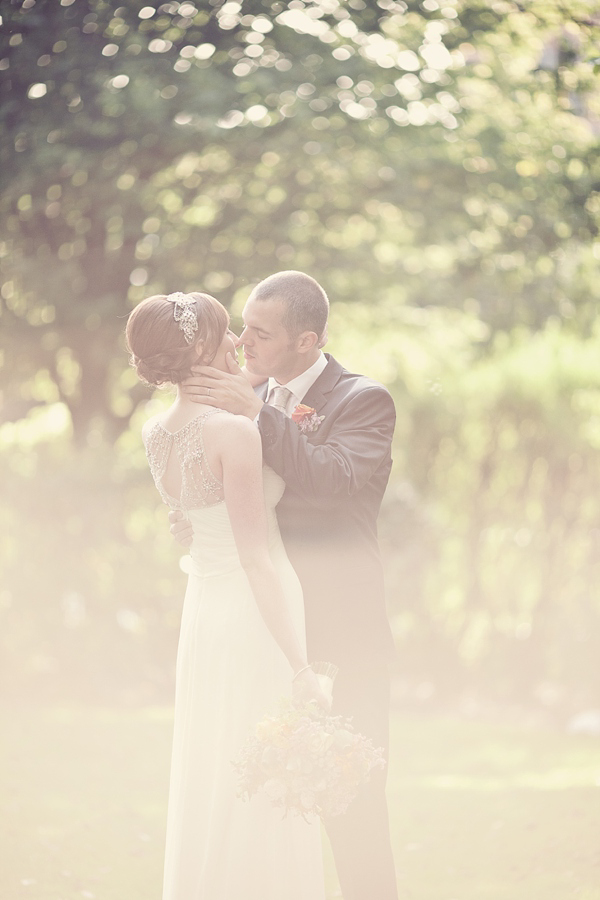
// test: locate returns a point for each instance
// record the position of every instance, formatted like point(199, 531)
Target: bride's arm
point(240, 450)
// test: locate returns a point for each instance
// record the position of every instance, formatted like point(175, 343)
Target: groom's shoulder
point(355, 383)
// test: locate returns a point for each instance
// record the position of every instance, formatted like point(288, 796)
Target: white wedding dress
point(230, 672)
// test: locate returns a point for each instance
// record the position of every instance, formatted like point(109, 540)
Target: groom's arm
point(358, 442)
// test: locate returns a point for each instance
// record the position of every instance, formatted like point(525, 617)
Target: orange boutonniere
point(306, 418)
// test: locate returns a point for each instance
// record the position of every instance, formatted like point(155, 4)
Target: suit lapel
point(317, 394)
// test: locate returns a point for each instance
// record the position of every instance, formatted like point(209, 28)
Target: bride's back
point(184, 458)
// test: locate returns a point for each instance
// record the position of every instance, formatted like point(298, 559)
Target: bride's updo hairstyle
point(157, 344)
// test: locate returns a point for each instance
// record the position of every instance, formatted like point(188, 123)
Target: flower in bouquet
point(306, 761)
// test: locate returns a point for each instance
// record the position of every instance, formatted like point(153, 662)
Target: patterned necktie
point(280, 398)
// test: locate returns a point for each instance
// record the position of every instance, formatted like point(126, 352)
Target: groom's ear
point(306, 341)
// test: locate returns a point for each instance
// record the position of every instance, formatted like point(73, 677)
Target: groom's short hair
point(306, 305)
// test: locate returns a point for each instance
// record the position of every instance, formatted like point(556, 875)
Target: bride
point(241, 645)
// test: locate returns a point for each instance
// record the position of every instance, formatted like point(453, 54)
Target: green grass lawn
point(479, 812)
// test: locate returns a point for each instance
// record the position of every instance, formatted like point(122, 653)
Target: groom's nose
point(243, 338)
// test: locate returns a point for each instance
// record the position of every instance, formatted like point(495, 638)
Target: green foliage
point(395, 150)
point(491, 525)
point(489, 529)
point(91, 588)
point(435, 166)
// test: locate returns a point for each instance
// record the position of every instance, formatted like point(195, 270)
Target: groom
point(328, 434)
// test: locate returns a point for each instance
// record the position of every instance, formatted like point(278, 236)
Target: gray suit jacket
point(335, 479)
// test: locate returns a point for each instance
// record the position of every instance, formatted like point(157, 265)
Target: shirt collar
point(301, 384)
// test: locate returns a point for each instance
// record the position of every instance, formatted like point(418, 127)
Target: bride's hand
point(306, 688)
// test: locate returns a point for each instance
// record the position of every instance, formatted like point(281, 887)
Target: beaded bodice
point(199, 487)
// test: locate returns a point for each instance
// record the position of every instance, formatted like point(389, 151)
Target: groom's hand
point(180, 528)
point(226, 390)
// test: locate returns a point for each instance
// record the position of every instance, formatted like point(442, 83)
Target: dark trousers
point(360, 838)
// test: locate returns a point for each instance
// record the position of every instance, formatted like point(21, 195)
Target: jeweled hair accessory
point(184, 313)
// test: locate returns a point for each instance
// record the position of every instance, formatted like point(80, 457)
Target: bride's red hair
point(157, 346)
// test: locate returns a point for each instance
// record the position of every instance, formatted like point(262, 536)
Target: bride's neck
point(182, 401)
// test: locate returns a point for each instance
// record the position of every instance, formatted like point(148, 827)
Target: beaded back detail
point(199, 487)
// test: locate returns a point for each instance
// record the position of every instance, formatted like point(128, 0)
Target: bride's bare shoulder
point(148, 426)
point(229, 427)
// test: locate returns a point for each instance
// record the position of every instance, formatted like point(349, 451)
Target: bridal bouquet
point(306, 761)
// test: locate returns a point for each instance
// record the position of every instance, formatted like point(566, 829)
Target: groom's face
point(268, 348)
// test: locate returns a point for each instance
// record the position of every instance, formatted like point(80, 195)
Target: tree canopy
point(422, 154)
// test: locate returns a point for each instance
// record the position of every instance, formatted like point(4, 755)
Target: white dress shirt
point(300, 385)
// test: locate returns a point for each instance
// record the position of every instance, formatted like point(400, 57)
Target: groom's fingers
point(201, 390)
point(210, 386)
point(233, 364)
point(181, 529)
point(208, 372)
point(226, 390)
point(202, 393)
